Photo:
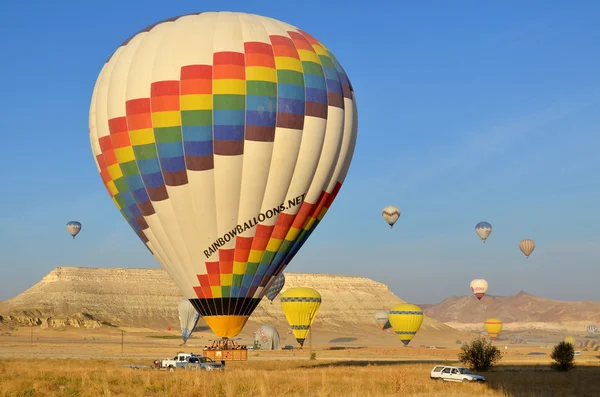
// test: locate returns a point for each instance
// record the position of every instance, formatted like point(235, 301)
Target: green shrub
point(563, 355)
point(480, 354)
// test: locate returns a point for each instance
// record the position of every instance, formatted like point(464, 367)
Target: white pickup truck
point(188, 361)
point(454, 374)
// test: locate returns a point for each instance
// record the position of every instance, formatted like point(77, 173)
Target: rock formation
point(93, 297)
point(520, 311)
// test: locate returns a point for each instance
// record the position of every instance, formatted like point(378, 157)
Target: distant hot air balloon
point(188, 318)
point(406, 319)
point(527, 246)
point(592, 329)
point(479, 287)
point(381, 318)
point(267, 338)
point(300, 306)
point(493, 326)
point(223, 138)
point(483, 230)
point(571, 340)
point(391, 214)
point(276, 287)
point(73, 227)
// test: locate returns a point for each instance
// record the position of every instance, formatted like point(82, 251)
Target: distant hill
point(92, 297)
point(520, 311)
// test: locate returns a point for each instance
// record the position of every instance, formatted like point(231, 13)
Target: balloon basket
point(226, 350)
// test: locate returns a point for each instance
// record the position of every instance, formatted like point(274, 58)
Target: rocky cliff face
point(520, 308)
point(92, 297)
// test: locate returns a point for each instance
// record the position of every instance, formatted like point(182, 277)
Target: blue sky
point(467, 112)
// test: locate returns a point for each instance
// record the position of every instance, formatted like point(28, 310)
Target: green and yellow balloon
point(300, 306)
point(406, 319)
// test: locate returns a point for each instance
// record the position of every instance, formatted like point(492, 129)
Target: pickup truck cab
point(205, 363)
point(454, 374)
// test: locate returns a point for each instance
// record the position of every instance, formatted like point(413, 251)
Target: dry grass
point(51, 377)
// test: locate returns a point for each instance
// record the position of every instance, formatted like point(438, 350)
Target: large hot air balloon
point(592, 329)
point(73, 227)
point(188, 318)
point(391, 214)
point(276, 287)
point(571, 340)
point(223, 138)
point(479, 287)
point(406, 319)
point(300, 306)
point(527, 246)
point(483, 230)
point(381, 318)
point(267, 338)
point(493, 326)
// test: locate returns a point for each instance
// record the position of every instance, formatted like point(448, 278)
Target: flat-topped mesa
point(148, 298)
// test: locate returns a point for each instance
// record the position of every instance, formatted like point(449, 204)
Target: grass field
point(53, 377)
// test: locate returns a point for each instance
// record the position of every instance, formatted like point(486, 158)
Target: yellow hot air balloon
point(300, 306)
point(223, 138)
point(527, 246)
point(406, 319)
point(493, 326)
point(571, 340)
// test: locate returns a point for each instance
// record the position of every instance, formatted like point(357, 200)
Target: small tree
point(480, 354)
point(563, 355)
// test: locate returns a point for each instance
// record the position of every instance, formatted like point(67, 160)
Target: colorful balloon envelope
point(483, 230)
point(527, 246)
point(592, 329)
point(493, 326)
point(223, 138)
point(300, 306)
point(381, 318)
point(391, 214)
point(479, 287)
point(73, 227)
point(571, 340)
point(406, 319)
point(276, 287)
point(188, 318)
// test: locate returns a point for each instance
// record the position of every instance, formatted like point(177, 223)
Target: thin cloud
point(479, 148)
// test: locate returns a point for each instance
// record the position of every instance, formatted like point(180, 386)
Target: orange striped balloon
point(493, 326)
point(527, 246)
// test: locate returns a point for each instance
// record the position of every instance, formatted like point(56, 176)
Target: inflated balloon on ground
point(300, 306)
point(381, 318)
point(406, 319)
point(188, 318)
point(223, 138)
point(267, 338)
